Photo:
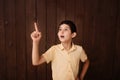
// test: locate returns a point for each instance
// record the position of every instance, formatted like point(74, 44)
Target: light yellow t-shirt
point(65, 64)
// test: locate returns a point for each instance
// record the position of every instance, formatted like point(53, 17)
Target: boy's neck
point(67, 46)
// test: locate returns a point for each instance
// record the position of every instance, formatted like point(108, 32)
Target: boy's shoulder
point(55, 46)
point(79, 47)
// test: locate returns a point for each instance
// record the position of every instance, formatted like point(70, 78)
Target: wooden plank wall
point(98, 27)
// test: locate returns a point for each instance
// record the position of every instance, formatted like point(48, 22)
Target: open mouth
point(62, 36)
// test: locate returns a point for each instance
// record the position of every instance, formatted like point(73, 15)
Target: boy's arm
point(36, 58)
point(84, 69)
point(36, 36)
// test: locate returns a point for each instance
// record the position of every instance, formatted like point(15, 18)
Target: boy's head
point(70, 24)
point(67, 31)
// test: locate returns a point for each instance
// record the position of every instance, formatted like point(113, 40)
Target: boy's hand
point(36, 35)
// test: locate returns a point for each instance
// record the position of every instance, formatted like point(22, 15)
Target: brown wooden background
point(98, 24)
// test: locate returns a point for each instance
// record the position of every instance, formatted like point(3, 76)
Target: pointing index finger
point(35, 25)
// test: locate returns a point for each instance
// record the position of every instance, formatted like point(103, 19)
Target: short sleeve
point(49, 54)
point(83, 56)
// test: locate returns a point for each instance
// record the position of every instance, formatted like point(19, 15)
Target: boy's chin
point(62, 41)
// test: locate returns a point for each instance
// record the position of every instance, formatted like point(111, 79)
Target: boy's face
point(65, 34)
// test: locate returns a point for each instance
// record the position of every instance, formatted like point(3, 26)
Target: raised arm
point(36, 36)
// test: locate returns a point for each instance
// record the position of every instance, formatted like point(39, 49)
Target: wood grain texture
point(98, 31)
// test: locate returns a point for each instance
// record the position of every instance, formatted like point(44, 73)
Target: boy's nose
point(62, 31)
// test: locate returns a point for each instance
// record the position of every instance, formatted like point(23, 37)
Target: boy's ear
point(74, 34)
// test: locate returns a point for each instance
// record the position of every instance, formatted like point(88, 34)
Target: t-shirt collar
point(71, 49)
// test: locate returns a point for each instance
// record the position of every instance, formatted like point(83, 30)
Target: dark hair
point(70, 24)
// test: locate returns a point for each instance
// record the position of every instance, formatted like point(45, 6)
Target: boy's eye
point(63, 29)
point(60, 29)
point(66, 29)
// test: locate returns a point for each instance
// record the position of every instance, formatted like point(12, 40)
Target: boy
point(64, 57)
